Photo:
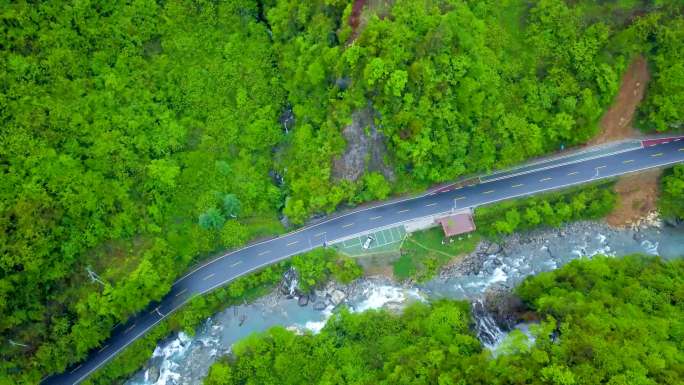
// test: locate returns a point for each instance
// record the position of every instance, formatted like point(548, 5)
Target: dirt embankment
point(638, 196)
point(638, 193)
point(616, 123)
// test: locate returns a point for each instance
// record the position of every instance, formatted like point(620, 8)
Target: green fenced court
point(385, 241)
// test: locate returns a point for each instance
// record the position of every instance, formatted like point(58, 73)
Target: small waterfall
point(290, 282)
point(486, 329)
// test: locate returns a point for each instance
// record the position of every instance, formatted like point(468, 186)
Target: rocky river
point(482, 277)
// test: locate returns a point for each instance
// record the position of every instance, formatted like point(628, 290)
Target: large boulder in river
point(153, 374)
point(504, 306)
point(336, 297)
point(303, 300)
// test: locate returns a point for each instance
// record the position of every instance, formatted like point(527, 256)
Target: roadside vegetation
point(139, 138)
point(549, 209)
point(606, 320)
point(672, 193)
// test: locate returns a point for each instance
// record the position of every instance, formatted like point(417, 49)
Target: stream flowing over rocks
point(484, 277)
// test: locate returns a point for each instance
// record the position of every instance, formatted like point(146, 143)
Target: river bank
point(182, 359)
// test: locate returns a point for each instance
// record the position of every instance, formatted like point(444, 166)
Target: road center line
point(103, 348)
point(78, 367)
point(517, 185)
point(628, 161)
point(459, 198)
point(658, 154)
point(208, 276)
point(488, 192)
point(544, 179)
point(319, 234)
point(236, 263)
point(374, 218)
point(264, 252)
point(573, 173)
point(402, 211)
point(431, 204)
point(181, 292)
point(129, 329)
point(600, 167)
point(347, 225)
point(293, 243)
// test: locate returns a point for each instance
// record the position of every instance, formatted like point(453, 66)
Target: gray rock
point(504, 306)
point(336, 297)
point(303, 300)
point(319, 305)
point(493, 248)
point(153, 373)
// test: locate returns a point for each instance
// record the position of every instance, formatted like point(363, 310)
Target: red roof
point(457, 224)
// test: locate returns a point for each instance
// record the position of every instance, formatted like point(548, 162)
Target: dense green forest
point(140, 137)
point(602, 321)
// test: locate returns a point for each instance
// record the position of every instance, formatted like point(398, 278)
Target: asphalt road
point(226, 268)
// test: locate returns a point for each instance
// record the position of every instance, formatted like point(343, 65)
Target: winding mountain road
point(228, 267)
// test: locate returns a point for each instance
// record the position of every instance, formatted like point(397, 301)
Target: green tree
point(671, 201)
point(231, 205)
point(212, 219)
point(234, 234)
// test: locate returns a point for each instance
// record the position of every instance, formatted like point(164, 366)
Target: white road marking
point(347, 225)
point(208, 276)
point(264, 252)
point(573, 173)
point(544, 179)
point(374, 218)
point(459, 198)
point(181, 292)
point(517, 185)
point(431, 204)
point(628, 161)
point(129, 329)
point(319, 234)
point(402, 211)
point(681, 149)
point(293, 243)
point(236, 263)
point(103, 348)
point(655, 144)
point(488, 192)
point(678, 139)
point(600, 167)
point(78, 367)
point(658, 154)
point(86, 374)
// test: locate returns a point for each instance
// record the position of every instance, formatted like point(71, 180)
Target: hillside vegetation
point(141, 137)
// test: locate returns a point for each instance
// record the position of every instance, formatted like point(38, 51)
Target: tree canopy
point(140, 137)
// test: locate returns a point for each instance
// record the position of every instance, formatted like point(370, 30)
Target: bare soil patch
point(638, 196)
point(362, 10)
point(616, 123)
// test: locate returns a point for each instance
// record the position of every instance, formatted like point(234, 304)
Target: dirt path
point(638, 193)
point(616, 123)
